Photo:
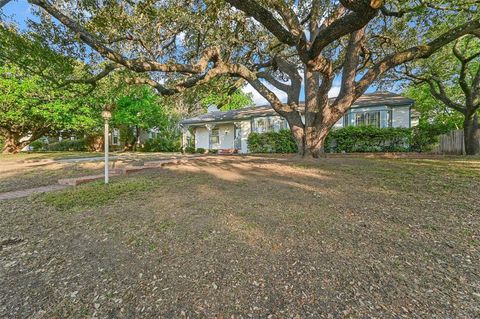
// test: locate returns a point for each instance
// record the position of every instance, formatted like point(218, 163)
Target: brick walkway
point(30, 191)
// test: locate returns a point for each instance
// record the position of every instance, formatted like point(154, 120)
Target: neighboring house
point(230, 130)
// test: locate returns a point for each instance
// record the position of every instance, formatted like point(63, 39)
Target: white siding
point(201, 138)
point(264, 124)
point(401, 116)
point(225, 134)
point(246, 127)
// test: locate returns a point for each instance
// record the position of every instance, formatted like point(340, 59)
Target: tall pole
point(106, 116)
point(106, 142)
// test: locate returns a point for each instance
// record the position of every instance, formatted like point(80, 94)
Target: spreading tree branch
point(416, 52)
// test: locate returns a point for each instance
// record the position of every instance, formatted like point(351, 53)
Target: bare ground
point(251, 236)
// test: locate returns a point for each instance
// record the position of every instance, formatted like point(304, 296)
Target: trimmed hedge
point(348, 139)
point(67, 145)
point(272, 142)
point(368, 139)
point(162, 144)
point(190, 149)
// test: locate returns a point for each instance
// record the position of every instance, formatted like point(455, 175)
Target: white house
point(230, 130)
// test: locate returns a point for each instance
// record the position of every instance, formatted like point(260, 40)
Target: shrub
point(38, 145)
point(426, 135)
point(213, 151)
point(349, 139)
point(368, 139)
point(200, 150)
point(190, 149)
point(272, 142)
point(162, 144)
point(68, 145)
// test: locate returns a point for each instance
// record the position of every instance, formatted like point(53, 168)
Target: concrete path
point(84, 159)
point(30, 191)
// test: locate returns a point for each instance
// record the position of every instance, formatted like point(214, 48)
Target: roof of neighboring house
point(369, 99)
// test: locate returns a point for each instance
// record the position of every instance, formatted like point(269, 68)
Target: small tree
point(140, 109)
point(30, 108)
point(452, 78)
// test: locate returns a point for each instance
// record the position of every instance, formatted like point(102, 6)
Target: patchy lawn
point(38, 156)
point(30, 170)
point(251, 236)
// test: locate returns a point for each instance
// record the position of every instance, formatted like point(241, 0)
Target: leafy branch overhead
point(272, 45)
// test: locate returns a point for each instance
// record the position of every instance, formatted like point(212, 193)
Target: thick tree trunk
point(310, 140)
point(12, 144)
point(318, 118)
point(316, 141)
point(471, 131)
point(299, 136)
point(95, 143)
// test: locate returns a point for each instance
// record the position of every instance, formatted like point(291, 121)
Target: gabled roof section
point(370, 99)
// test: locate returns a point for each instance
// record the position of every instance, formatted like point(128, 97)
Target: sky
point(19, 11)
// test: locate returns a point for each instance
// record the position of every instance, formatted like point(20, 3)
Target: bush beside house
point(368, 139)
point(426, 135)
point(162, 144)
point(348, 139)
point(272, 142)
point(61, 146)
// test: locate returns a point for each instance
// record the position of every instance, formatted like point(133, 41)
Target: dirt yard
point(256, 236)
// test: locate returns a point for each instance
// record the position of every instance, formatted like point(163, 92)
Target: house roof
point(369, 99)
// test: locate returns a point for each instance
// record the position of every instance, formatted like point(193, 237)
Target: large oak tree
point(453, 79)
point(267, 43)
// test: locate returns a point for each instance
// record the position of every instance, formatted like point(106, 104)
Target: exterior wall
point(225, 134)
point(246, 129)
point(201, 138)
point(275, 123)
point(339, 123)
point(401, 116)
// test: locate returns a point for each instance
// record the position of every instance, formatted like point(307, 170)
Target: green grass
point(47, 155)
point(97, 193)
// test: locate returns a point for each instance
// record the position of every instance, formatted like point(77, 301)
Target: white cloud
point(260, 100)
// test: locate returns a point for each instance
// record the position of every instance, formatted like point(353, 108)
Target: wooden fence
point(451, 143)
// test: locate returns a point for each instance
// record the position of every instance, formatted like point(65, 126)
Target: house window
point(367, 119)
point(116, 136)
point(152, 135)
point(269, 124)
point(214, 137)
point(261, 124)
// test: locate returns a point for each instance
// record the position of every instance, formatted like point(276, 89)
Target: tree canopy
point(286, 46)
point(272, 45)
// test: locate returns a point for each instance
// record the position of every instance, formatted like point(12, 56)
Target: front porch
point(227, 136)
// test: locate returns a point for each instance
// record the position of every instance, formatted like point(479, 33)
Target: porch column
point(237, 138)
point(185, 133)
point(209, 127)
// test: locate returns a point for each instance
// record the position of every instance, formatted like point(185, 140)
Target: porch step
point(227, 151)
